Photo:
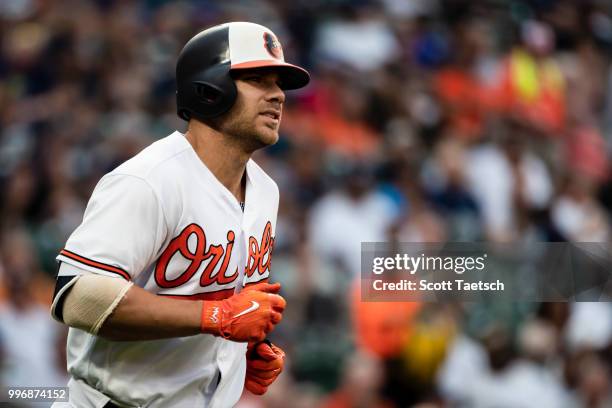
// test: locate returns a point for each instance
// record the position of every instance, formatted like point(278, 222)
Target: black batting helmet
point(205, 88)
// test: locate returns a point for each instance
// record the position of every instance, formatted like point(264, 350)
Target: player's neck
point(225, 160)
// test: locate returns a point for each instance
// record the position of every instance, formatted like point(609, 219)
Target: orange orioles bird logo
point(272, 45)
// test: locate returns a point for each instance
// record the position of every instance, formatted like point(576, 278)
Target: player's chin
point(267, 136)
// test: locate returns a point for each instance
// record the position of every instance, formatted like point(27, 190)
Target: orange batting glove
point(257, 286)
point(265, 362)
point(247, 316)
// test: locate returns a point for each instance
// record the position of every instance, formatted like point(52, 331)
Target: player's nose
point(275, 92)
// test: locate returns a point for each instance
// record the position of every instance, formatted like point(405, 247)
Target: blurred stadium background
point(426, 120)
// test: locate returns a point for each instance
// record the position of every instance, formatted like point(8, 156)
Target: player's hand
point(258, 286)
point(246, 317)
point(265, 362)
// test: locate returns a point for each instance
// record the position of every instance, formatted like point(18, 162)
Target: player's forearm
point(117, 310)
point(141, 315)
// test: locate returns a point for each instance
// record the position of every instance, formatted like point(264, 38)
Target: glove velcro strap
point(212, 318)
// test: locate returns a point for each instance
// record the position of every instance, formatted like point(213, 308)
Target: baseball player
point(165, 283)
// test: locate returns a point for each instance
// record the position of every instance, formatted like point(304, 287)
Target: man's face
point(255, 118)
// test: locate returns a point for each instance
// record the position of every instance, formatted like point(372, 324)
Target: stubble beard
point(241, 129)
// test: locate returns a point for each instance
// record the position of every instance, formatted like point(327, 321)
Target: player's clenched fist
point(265, 362)
point(247, 316)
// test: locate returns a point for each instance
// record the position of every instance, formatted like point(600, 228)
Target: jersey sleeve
point(122, 230)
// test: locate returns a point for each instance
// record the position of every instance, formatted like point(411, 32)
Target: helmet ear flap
point(205, 88)
point(207, 93)
point(184, 114)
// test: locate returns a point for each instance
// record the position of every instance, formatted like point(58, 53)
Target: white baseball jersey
point(163, 221)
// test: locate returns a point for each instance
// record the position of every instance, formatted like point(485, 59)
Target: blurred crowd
point(426, 121)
